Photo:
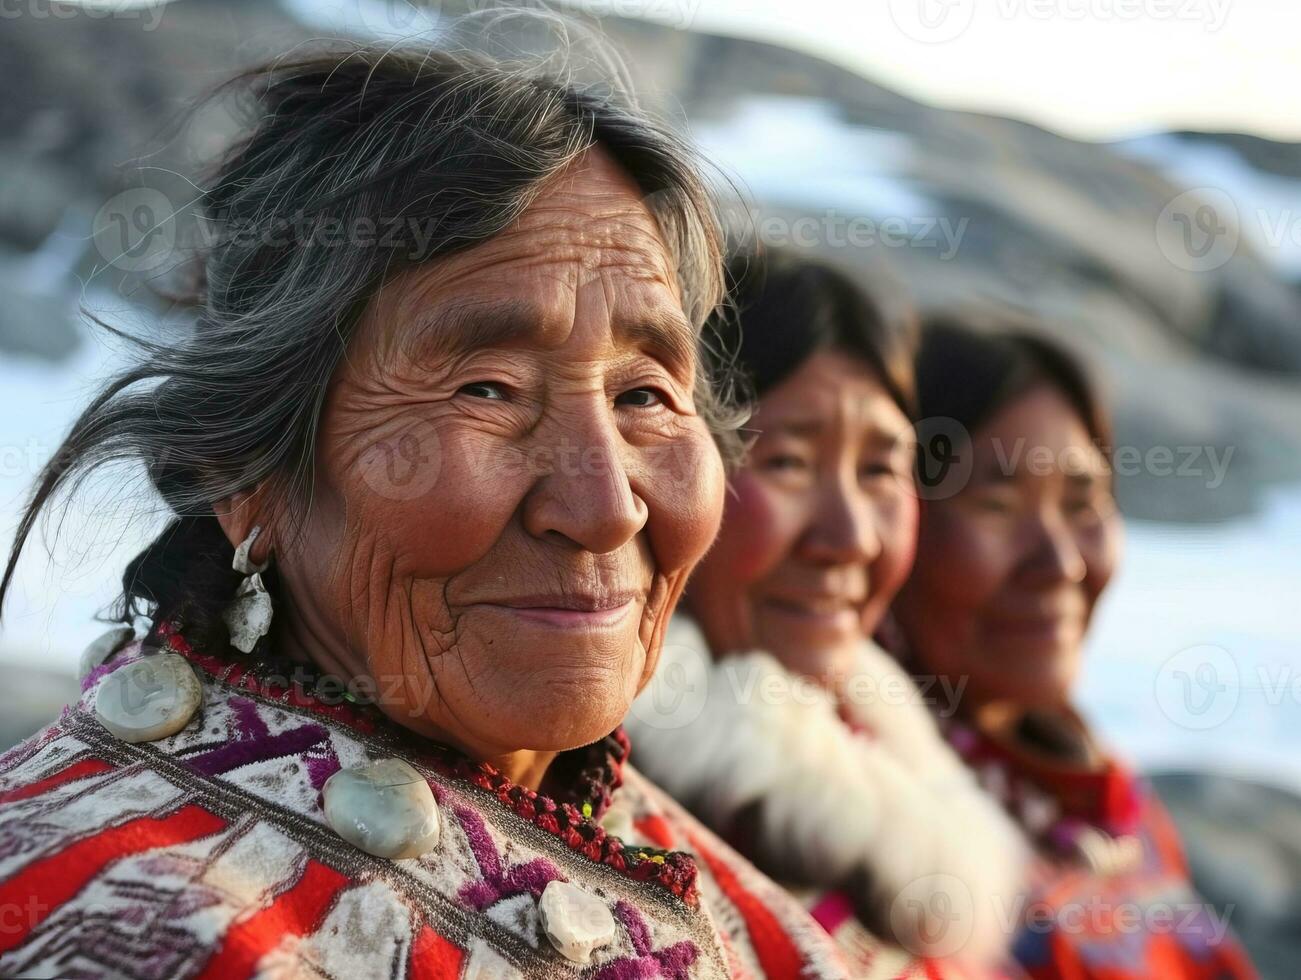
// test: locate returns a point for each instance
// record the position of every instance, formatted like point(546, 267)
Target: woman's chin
point(823, 663)
point(560, 710)
point(550, 730)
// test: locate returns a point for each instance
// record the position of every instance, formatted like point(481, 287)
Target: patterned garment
point(207, 854)
point(1112, 898)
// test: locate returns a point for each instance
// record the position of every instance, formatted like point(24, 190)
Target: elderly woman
point(439, 477)
point(774, 718)
point(1018, 540)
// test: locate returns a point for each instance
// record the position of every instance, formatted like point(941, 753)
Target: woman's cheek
point(961, 562)
point(756, 534)
point(442, 522)
point(683, 493)
point(898, 535)
point(1101, 551)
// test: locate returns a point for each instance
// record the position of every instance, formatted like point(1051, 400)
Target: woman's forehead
point(429, 319)
point(588, 219)
point(587, 226)
point(831, 391)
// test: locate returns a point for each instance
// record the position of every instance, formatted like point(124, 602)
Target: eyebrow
point(666, 336)
point(466, 327)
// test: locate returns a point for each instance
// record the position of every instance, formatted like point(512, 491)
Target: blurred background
point(1127, 171)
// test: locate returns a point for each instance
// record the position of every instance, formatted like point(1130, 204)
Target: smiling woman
point(1016, 549)
point(809, 747)
point(435, 501)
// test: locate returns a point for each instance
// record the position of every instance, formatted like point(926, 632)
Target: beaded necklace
point(1085, 815)
point(569, 811)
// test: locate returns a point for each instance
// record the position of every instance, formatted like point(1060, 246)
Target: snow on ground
point(1195, 653)
point(48, 614)
point(1266, 204)
point(861, 171)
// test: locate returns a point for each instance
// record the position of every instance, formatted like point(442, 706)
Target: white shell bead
point(149, 698)
point(575, 922)
point(385, 808)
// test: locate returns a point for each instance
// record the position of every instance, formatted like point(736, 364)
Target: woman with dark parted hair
point(434, 496)
point(1019, 536)
point(773, 716)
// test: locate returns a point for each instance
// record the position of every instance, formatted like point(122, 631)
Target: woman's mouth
point(818, 611)
point(1033, 628)
point(569, 611)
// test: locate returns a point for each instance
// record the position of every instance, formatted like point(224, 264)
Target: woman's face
point(1009, 568)
point(819, 528)
point(513, 479)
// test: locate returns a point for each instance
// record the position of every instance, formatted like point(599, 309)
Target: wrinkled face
point(1010, 567)
point(513, 479)
point(818, 532)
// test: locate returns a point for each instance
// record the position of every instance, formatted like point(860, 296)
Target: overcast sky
point(1092, 68)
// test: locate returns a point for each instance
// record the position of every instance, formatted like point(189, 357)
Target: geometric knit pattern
point(207, 854)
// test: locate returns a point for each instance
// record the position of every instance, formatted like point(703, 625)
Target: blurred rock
point(31, 698)
point(1244, 845)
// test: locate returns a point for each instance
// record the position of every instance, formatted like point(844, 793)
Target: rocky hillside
point(1167, 260)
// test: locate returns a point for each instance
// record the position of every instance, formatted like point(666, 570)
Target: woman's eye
point(639, 398)
point(873, 470)
point(996, 503)
point(1086, 509)
point(484, 389)
point(783, 462)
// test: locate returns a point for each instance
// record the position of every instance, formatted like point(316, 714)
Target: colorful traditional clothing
point(1112, 899)
point(207, 853)
point(857, 806)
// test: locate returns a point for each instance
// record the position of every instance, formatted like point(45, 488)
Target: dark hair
point(786, 308)
point(456, 145)
point(968, 373)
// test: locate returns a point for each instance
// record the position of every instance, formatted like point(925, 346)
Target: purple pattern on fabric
point(672, 962)
point(248, 722)
point(96, 673)
point(243, 752)
point(321, 767)
point(531, 876)
point(122, 655)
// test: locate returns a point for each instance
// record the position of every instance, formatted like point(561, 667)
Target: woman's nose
point(843, 530)
point(583, 491)
point(1055, 556)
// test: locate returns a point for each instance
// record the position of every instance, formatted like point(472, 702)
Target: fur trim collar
point(889, 814)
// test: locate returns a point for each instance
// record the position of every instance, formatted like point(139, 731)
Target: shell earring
point(248, 617)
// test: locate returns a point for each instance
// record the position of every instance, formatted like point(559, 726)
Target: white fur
point(721, 737)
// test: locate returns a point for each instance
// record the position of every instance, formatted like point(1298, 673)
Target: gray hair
point(440, 150)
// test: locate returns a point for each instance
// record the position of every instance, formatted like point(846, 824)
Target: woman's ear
point(238, 514)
